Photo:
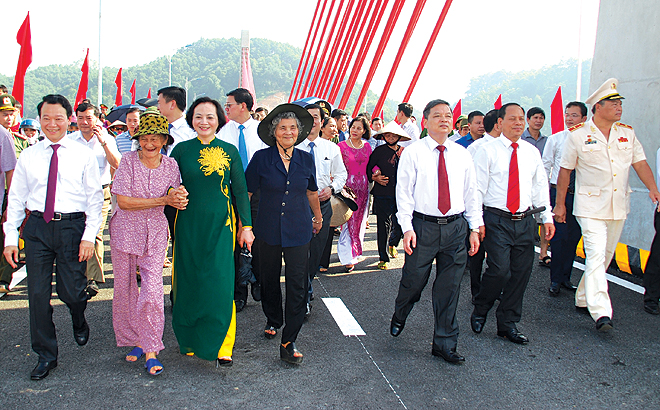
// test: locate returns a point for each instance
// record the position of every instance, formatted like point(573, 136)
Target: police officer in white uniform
point(601, 151)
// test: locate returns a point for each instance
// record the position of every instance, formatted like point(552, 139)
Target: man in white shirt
point(330, 178)
point(172, 104)
point(476, 261)
point(601, 151)
point(567, 235)
point(241, 132)
point(92, 135)
point(403, 114)
point(511, 182)
point(436, 197)
point(57, 180)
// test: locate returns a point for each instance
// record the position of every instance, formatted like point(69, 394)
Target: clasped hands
point(178, 198)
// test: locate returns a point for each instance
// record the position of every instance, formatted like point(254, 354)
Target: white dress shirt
point(413, 132)
point(492, 166)
point(473, 148)
point(78, 188)
point(180, 131)
point(330, 169)
point(552, 154)
point(417, 183)
point(230, 133)
point(99, 152)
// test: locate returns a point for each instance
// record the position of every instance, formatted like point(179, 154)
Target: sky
point(477, 37)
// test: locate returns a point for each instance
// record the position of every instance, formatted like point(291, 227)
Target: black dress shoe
point(396, 326)
point(582, 309)
point(256, 292)
point(81, 335)
point(42, 369)
point(288, 353)
point(450, 356)
point(652, 308)
point(569, 285)
point(554, 289)
point(514, 336)
point(240, 304)
point(477, 323)
point(604, 323)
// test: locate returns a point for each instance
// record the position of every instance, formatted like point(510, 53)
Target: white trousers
point(600, 238)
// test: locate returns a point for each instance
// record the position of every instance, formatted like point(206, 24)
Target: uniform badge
point(6, 101)
point(590, 140)
point(623, 139)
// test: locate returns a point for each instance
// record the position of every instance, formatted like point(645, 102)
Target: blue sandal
point(136, 352)
point(151, 363)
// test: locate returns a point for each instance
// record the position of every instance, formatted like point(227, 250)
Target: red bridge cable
point(343, 52)
point(402, 48)
point(362, 54)
point(331, 35)
point(389, 26)
point(314, 66)
point(427, 51)
point(295, 79)
point(311, 47)
point(356, 37)
point(335, 47)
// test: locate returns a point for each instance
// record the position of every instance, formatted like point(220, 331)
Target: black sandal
point(545, 261)
point(267, 332)
point(288, 353)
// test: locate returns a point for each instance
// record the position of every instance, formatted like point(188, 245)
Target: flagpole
point(100, 83)
point(578, 90)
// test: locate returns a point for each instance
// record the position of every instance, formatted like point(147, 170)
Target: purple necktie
point(49, 212)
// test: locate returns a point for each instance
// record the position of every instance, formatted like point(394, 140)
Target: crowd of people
point(230, 184)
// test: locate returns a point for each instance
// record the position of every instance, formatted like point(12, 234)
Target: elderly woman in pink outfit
point(145, 182)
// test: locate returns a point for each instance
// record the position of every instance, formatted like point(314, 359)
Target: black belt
point(568, 191)
point(440, 220)
point(58, 216)
point(518, 216)
point(105, 186)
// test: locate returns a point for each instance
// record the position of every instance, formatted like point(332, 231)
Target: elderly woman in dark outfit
point(284, 224)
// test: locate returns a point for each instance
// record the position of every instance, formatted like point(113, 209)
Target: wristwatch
point(475, 230)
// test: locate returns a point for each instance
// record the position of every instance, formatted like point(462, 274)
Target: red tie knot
point(441, 148)
point(514, 145)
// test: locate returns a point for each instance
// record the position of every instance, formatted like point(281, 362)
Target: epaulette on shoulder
point(575, 127)
point(620, 124)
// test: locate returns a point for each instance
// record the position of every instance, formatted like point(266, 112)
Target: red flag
point(457, 112)
point(149, 93)
point(498, 103)
point(84, 82)
point(132, 91)
point(557, 113)
point(118, 84)
point(24, 39)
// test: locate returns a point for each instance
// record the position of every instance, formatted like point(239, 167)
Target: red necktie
point(49, 211)
point(444, 200)
point(513, 193)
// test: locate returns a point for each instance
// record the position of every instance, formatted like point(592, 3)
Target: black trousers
point(446, 245)
point(510, 247)
point(565, 242)
point(389, 231)
point(652, 272)
point(241, 291)
point(475, 265)
point(296, 260)
point(46, 243)
point(6, 271)
point(327, 250)
point(317, 245)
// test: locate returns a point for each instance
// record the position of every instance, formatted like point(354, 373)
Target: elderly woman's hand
point(178, 198)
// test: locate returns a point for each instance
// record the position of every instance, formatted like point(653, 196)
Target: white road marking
point(343, 317)
point(614, 279)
